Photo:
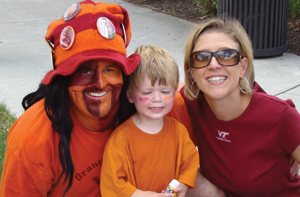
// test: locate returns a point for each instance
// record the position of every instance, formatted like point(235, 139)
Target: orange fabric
point(32, 166)
point(90, 8)
point(84, 43)
point(88, 43)
point(180, 113)
point(135, 159)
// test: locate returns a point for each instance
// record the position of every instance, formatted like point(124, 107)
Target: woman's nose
point(214, 64)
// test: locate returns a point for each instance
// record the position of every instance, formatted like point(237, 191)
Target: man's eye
point(87, 72)
point(109, 70)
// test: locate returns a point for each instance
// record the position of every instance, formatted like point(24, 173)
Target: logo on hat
point(106, 28)
point(72, 11)
point(67, 37)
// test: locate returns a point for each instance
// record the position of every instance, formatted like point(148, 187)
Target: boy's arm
point(188, 159)
point(115, 173)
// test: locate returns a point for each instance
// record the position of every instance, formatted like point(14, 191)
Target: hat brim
point(69, 66)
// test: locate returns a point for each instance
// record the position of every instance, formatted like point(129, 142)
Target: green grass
point(6, 121)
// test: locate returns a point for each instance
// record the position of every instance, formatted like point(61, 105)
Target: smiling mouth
point(216, 79)
point(155, 108)
point(94, 94)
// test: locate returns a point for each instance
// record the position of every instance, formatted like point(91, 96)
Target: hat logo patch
point(72, 11)
point(106, 28)
point(67, 37)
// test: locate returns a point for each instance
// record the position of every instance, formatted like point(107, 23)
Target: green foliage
point(6, 121)
point(208, 7)
point(294, 8)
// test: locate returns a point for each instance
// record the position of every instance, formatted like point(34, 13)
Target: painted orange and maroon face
point(95, 89)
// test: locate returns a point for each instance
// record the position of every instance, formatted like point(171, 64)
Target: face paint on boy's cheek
point(145, 99)
point(168, 98)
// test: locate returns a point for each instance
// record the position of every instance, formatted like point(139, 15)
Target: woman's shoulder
point(265, 105)
point(270, 100)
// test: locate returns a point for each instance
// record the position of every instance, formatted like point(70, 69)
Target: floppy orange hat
point(90, 31)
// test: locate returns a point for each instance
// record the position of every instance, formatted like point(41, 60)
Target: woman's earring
point(248, 86)
point(192, 88)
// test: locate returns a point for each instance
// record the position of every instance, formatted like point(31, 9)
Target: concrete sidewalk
point(25, 56)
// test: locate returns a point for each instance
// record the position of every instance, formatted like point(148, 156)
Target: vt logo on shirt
point(222, 136)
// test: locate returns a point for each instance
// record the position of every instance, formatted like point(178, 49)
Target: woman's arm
point(205, 188)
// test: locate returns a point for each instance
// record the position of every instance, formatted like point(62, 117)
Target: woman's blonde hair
point(157, 64)
point(234, 30)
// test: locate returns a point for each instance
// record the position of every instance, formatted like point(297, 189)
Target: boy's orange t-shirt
point(134, 159)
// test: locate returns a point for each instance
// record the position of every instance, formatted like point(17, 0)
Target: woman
point(245, 138)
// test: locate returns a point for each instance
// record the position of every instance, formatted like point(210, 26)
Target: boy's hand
point(140, 193)
point(181, 190)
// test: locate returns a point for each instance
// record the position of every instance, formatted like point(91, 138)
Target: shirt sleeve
point(189, 161)
point(289, 130)
point(180, 113)
point(115, 173)
point(17, 181)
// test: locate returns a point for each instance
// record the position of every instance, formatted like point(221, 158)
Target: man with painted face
point(55, 147)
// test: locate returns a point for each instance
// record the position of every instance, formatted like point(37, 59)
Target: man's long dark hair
point(56, 107)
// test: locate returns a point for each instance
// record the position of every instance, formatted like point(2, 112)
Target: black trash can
point(265, 21)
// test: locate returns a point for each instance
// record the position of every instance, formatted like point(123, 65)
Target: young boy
point(149, 149)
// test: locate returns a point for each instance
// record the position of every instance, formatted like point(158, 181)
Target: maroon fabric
point(250, 155)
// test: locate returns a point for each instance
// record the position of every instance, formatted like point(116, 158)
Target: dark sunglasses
point(225, 57)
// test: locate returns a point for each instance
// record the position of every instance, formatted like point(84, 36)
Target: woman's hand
point(295, 166)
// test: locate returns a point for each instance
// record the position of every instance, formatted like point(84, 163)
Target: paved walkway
point(25, 56)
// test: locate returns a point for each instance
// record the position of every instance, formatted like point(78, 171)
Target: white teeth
point(97, 94)
point(155, 107)
point(216, 79)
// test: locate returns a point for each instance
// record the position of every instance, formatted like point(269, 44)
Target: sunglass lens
point(202, 58)
point(227, 57)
